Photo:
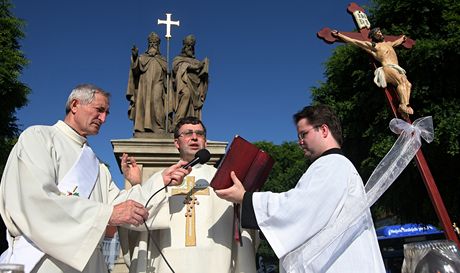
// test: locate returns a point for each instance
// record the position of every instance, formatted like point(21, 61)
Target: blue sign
point(406, 231)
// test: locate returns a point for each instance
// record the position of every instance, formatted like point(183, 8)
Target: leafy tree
point(289, 166)
point(13, 93)
point(432, 66)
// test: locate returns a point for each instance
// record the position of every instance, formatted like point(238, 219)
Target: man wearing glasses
point(304, 226)
point(200, 234)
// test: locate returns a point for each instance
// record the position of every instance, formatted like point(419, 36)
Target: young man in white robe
point(208, 245)
point(315, 209)
point(56, 198)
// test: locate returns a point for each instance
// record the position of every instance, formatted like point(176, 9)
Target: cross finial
point(168, 24)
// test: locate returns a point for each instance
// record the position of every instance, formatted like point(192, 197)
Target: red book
point(251, 165)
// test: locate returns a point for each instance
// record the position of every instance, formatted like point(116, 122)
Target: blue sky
point(264, 58)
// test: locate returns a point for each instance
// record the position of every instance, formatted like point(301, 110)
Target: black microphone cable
point(150, 238)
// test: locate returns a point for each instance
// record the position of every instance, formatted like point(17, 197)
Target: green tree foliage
point(289, 166)
point(13, 93)
point(432, 66)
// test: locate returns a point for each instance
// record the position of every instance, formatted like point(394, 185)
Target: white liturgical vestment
point(216, 249)
point(65, 227)
point(327, 190)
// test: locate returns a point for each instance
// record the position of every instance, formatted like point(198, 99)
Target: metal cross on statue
point(169, 94)
point(168, 24)
point(359, 39)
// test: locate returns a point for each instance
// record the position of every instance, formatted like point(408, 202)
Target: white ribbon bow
point(399, 156)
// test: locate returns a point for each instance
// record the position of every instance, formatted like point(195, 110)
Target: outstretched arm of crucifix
point(367, 46)
point(399, 41)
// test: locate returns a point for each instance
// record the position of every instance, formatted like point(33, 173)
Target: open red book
point(251, 165)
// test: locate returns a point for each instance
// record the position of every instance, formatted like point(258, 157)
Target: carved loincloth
point(379, 75)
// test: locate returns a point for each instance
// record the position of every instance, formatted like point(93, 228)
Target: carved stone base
point(153, 135)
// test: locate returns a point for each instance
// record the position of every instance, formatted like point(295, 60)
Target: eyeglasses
point(189, 133)
point(303, 134)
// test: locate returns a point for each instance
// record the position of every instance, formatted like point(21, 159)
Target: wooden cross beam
point(363, 25)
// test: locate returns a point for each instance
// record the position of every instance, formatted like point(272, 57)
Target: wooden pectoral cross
point(188, 189)
point(363, 26)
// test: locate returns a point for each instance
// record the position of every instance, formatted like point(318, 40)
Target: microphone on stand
point(202, 156)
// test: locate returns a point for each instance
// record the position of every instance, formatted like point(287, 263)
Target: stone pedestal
point(154, 152)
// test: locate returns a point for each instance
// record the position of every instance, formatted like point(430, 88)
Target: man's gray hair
point(84, 93)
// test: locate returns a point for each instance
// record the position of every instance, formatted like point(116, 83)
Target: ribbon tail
point(399, 156)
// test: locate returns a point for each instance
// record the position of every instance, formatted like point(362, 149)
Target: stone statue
point(191, 81)
point(390, 71)
point(147, 88)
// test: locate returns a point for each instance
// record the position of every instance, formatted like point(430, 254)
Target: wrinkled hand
point(235, 193)
point(128, 212)
point(335, 33)
point(130, 170)
point(175, 174)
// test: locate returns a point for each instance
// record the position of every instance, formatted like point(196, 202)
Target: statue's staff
point(168, 24)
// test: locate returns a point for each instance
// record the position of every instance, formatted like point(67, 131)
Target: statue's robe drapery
point(191, 86)
point(146, 93)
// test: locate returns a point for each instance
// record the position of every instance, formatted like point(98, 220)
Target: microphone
point(202, 156)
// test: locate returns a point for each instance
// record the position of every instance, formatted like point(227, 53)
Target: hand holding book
point(235, 193)
point(250, 164)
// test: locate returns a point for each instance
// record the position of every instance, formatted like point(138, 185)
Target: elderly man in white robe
point(56, 198)
point(329, 188)
point(199, 238)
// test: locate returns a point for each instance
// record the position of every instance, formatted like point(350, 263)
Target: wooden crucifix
point(380, 47)
point(400, 106)
point(190, 201)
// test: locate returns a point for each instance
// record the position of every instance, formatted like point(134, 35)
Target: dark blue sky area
point(264, 58)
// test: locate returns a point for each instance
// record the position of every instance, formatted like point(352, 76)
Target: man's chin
point(94, 131)
point(307, 154)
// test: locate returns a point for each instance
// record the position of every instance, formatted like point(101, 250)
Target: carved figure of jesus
point(390, 71)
